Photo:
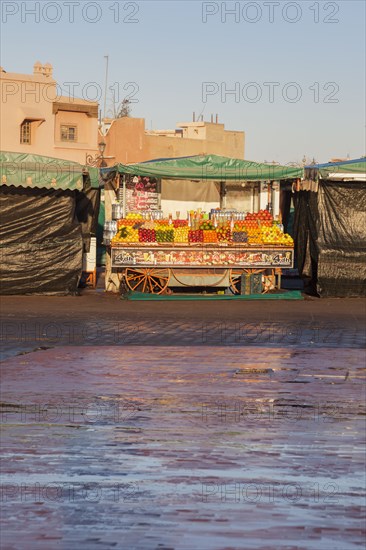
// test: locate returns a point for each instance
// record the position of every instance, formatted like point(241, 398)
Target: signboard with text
point(142, 193)
point(168, 256)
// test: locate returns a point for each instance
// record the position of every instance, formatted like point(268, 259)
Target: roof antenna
point(106, 57)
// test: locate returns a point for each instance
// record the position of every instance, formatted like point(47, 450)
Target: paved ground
point(100, 319)
point(181, 425)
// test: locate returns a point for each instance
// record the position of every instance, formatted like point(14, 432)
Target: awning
point(30, 113)
point(349, 169)
point(208, 167)
point(25, 170)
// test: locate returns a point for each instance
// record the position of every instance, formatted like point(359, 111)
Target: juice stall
point(153, 251)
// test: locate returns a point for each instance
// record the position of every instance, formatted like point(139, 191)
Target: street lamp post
point(101, 146)
point(99, 159)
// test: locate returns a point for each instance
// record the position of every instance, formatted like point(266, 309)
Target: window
point(25, 132)
point(68, 133)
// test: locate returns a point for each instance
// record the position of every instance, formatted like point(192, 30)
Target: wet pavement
point(32, 322)
point(173, 428)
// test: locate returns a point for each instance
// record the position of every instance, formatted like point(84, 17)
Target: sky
point(291, 75)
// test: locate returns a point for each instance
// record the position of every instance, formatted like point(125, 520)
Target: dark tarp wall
point(41, 243)
point(330, 237)
point(87, 212)
point(305, 232)
point(286, 197)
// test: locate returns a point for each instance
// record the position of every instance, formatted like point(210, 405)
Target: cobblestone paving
point(240, 438)
point(28, 335)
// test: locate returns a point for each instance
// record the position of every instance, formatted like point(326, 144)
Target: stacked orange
point(254, 235)
point(158, 224)
point(125, 222)
point(210, 236)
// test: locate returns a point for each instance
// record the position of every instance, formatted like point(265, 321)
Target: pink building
point(35, 119)
point(127, 140)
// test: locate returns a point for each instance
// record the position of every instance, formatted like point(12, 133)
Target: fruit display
point(254, 235)
point(181, 234)
point(263, 218)
point(273, 235)
point(126, 234)
point(209, 236)
point(152, 252)
point(161, 223)
point(180, 223)
point(207, 225)
point(164, 235)
point(124, 222)
point(147, 235)
point(195, 236)
point(240, 237)
point(134, 216)
point(258, 229)
point(240, 226)
point(224, 234)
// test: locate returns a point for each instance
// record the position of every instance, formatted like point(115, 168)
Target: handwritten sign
point(142, 193)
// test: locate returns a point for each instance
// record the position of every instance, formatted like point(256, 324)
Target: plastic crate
point(251, 283)
point(256, 283)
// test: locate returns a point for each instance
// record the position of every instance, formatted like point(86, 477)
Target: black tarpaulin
point(87, 212)
point(330, 237)
point(41, 241)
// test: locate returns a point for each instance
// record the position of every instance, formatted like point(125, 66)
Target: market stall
point(152, 251)
point(330, 228)
point(49, 210)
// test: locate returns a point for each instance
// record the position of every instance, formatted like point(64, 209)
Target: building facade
point(127, 140)
point(35, 119)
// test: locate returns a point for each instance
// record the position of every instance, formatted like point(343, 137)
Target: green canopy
point(208, 167)
point(331, 169)
point(25, 170)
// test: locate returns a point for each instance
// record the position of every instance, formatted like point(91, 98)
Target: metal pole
point(106, 84)
point(159, 189)
point(124, 195)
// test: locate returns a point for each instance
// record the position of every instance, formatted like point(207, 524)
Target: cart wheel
point(150, 280)
point(235, 278)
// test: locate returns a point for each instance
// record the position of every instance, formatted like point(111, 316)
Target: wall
point(128, 141)
point(125, 141)
point(24, 96)
point(87, 136)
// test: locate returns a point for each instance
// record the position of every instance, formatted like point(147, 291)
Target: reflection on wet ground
point(24, 336)
point(185, 447)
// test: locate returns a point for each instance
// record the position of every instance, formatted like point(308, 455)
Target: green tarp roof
point(25, 170)
point(208, 167)
point(355, 166)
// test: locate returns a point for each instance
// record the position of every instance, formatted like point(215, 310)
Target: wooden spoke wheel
point(235, 280)
point(149, 280)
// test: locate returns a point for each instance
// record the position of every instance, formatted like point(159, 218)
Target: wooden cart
point(151, 267)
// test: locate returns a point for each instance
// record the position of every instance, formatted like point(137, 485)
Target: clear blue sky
point(170, 53)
